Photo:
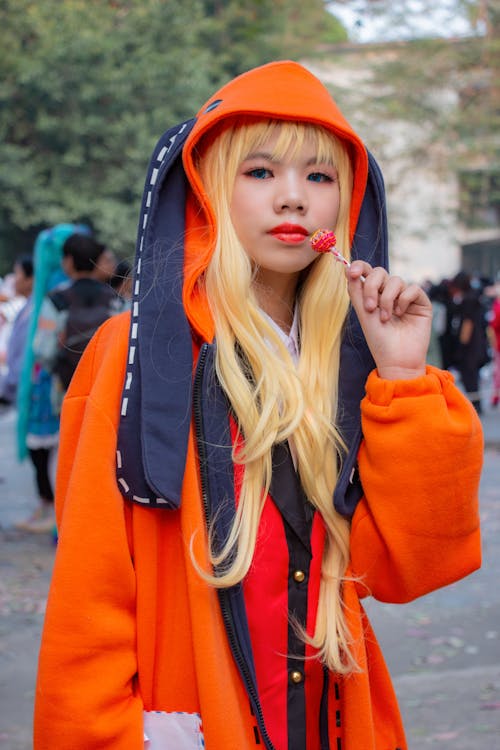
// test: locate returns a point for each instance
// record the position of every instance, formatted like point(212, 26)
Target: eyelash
point(255, 170)
point(324, 177)
point(260, 173)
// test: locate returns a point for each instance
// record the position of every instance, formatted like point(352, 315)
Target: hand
point(395, 317)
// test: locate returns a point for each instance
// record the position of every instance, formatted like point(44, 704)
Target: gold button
point(299, 576)
point(296, 677)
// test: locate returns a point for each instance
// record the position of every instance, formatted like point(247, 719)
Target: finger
point(393, 287)
point(356, 275)
point(357, 269)
point(374, 284)
point(415, 296)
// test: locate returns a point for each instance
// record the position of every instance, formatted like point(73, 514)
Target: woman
point(220, 603)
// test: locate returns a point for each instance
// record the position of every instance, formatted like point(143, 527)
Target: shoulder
point(100, 287)
point(60, 296)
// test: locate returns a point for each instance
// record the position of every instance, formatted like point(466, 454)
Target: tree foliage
point(449, 88)
point(258, 32)
point(87, 86)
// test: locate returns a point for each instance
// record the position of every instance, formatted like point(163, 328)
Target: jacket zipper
point(222, 593)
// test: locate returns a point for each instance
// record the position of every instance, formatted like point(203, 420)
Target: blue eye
point(319, 177)
point(260, 173)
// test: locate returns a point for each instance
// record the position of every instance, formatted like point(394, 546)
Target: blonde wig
point(272, 399)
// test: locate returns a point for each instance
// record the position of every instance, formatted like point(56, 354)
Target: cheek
point(327, 206)
point(333, 208)
point(249, 200)
point(240, 214)
point(234, 209)
point(337, 206)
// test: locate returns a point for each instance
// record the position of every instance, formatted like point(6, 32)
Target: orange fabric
point(125, 599)
point(435, 533)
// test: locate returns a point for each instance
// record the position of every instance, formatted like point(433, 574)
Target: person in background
point(441, 294)
point(10, 304)
point(438, 329)
point(38, 410)
point(70, 315)
point(469, 328)
point(494, 329)
point(121, 282)
point(104, 266)
point(23, 286)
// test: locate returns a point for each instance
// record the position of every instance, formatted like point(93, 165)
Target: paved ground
point(25, 568)
point(443, 650)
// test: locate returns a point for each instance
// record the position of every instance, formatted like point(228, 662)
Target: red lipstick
point(290, 233)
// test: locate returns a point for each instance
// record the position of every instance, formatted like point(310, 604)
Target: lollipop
point(324, 241)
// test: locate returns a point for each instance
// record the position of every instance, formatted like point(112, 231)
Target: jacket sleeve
point(50, 324)
point(85, 694)
point(417, 526)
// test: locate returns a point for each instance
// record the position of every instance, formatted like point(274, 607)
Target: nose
point(290, 195)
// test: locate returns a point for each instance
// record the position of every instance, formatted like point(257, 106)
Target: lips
point(291, 233)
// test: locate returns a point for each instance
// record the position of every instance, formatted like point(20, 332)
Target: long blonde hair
point(278, 400)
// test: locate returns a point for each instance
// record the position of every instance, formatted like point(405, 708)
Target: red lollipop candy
point(323, 240)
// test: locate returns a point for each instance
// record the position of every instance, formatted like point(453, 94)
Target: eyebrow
point(269, 157)
point(259, 155)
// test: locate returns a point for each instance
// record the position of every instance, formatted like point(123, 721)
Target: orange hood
point(263, 92)
point(170, 313)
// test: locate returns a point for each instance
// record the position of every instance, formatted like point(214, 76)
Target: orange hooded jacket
point(130, 628)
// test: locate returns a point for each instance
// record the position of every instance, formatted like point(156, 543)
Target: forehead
point(273, 150)
point(284, 141)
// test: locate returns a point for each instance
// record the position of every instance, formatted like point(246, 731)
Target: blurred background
point(88, 87)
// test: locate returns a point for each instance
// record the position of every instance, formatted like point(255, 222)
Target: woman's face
point(278, 203)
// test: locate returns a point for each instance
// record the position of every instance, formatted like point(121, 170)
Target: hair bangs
point(290, 138)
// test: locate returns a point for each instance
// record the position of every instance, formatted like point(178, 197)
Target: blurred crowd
point(51, 303)
point(466, 330)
